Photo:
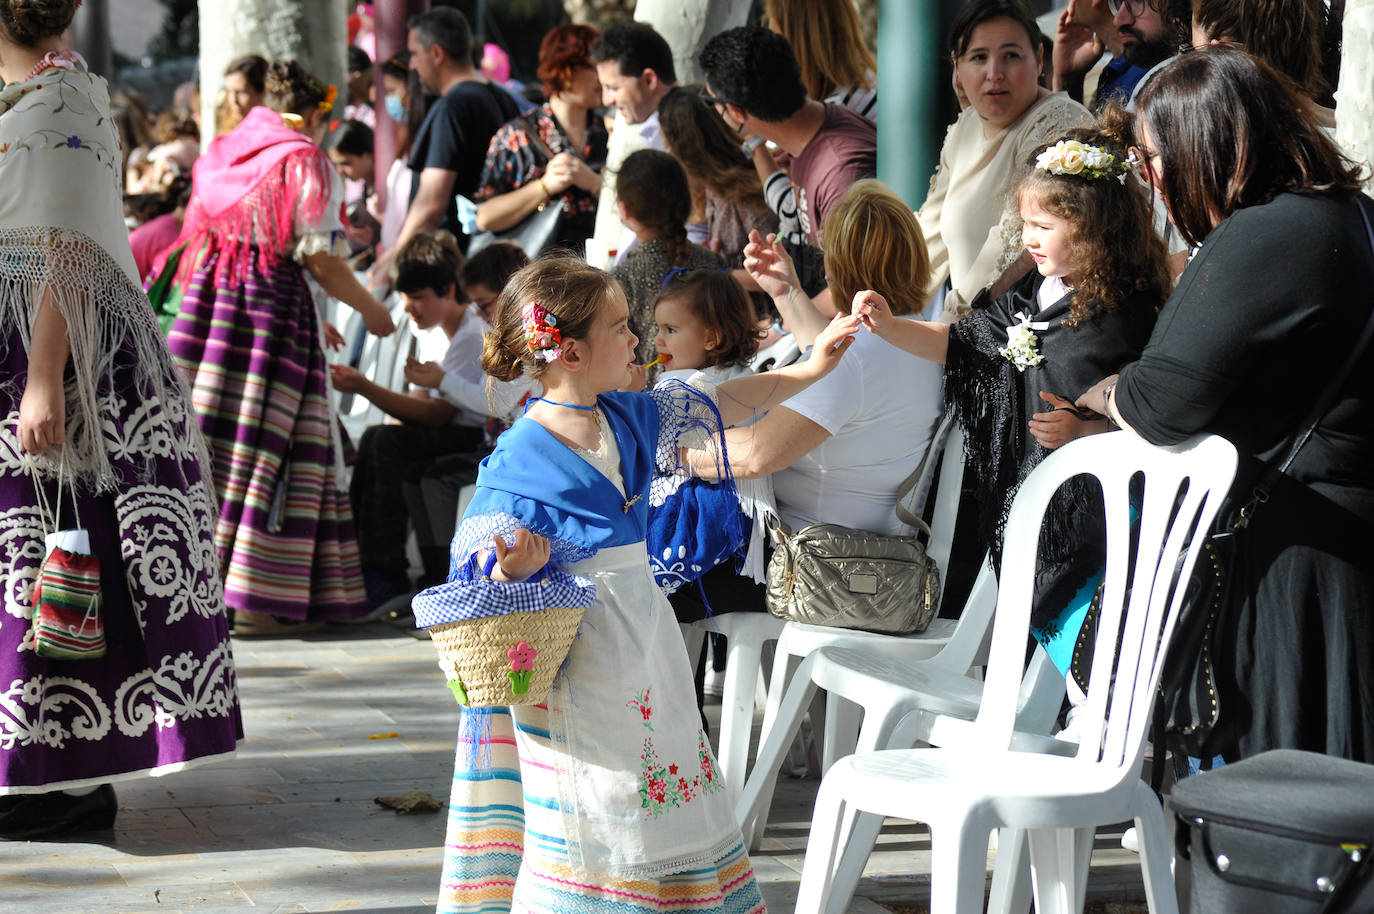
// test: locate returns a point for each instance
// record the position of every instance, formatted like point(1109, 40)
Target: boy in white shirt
point(430, 426)
point(434, 500)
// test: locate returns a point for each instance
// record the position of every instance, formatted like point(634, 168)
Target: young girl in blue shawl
point(607, 795)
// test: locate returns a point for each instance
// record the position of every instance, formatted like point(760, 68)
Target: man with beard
point(1146, 42)
point(1145, 36)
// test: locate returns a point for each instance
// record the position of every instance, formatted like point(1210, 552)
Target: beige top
point(971, 225)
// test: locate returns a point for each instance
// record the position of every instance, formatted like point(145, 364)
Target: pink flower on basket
point(522, 657)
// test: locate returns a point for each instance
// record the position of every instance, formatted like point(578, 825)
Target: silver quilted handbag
point(825, 574)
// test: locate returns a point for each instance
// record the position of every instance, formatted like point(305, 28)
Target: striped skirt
point(505, 852)
point(251, 352)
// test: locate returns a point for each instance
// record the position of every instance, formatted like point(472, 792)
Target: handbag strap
point(778, 531)
point(51, 512)
point(1320, 406)
point(918, 475)
point(536, 140)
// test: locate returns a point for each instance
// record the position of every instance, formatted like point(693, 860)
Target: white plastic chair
point(381, 360)
point(963, 792)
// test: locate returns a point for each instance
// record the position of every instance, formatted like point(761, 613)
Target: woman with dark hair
point(351, 147)
point(406, 104)
point(519, 178)
point(98, 434)
point(709, 152)
point(654, 200)
point(264, 211)
point(971, 228)
point(1274, 297)
point(245, 87)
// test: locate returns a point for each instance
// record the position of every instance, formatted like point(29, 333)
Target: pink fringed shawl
point(248, 187)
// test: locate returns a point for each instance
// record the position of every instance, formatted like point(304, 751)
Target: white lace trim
point(106, 314)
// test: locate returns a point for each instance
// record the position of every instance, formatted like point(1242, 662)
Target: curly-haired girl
point(1014, 370)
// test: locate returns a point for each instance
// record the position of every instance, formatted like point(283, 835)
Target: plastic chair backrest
point(781, 352)
point(1183, 489)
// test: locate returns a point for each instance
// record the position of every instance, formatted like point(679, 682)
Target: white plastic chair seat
point(866, 678)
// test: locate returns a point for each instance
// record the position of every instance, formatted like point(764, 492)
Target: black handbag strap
point(536, 140)
point(1320, 406)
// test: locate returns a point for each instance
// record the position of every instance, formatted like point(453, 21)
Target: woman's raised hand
point(770, 265)
point(526, 554)
point(561, 173)
point(871, 309)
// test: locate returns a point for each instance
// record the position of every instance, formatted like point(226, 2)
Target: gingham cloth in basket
point(481, 597)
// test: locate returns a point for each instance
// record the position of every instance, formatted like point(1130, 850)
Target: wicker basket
point(476, 655)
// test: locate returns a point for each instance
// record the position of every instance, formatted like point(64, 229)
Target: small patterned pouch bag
point(68, 622)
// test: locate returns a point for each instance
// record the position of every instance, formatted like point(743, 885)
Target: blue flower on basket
point(521, 667)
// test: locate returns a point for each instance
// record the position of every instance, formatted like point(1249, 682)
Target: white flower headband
point(1070, 157)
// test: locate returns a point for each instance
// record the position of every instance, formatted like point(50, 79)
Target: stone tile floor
point(289, 824)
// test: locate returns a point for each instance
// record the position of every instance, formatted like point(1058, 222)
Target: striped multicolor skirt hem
point(504, 851)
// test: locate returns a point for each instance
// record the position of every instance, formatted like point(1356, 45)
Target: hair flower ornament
point(541, 332)
point(1070, 157)
point(331, 95)
point(1023, 347)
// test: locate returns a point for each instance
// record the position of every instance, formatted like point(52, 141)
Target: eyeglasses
point(1138, 161)
point(716, 100)
point(1135, 7)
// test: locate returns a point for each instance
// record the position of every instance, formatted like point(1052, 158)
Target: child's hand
point(332, 337)
point(1061, 424)
point(831, 343)
point(639, 377)
point(871, 310)
point(347, 379)
point(423, 374)
point(523, 557)
point(770, 265)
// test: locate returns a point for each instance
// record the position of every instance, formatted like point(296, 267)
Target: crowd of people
point(1139, 223)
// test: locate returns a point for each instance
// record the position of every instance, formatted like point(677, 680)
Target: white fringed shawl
point(62, 235)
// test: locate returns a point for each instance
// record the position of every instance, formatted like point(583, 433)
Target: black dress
point(994, 400)
point(1265, 312)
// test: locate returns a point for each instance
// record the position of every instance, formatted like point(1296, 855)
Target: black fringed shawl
point(993, 402)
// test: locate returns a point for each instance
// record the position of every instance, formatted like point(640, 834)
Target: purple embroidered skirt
point(164, 696)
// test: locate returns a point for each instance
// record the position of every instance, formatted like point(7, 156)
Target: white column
point(314, 32)
point(1355, 97)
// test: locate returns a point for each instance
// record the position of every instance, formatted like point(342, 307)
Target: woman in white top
point(972, 233)
point(839, 450)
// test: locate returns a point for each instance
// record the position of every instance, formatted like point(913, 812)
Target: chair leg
point(958, 865)
point(857, 844)
point(1155, 858)
point(737, 711)
point(752, 807)
point(841, 729)
point(821, 847)
point(1059, 868)
point(875, 733)
point(1011, 874)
